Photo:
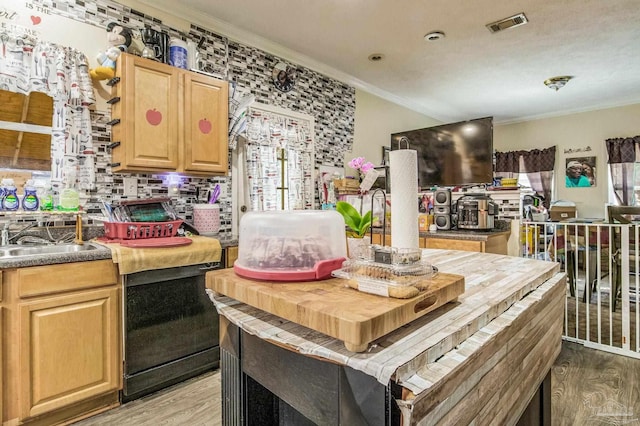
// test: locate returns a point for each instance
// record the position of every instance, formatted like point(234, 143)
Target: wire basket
point(140, 230)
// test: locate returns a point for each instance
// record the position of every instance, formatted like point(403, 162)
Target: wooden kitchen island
point(483, 359)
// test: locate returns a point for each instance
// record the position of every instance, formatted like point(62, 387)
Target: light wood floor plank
point(589, 388)
point(592, 387)
point(195, 402)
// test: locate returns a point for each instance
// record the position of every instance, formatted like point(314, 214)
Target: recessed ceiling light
point(374, 57)
point(433, 36)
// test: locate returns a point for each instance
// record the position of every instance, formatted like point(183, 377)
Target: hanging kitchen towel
point(130, 260)
point(403, 168)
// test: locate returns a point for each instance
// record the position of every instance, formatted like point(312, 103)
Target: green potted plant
point(358, 224)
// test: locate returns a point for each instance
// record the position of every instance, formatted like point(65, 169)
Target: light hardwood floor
point(589, 388)
point(592, 387)
point(195, 402)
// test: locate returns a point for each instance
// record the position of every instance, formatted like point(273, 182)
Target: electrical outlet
point(130, 186)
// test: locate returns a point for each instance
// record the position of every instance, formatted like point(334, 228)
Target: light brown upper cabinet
point(25, 130)
point(168, 119)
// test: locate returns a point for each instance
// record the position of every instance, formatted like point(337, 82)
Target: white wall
point(375, 120)
point(574, 132)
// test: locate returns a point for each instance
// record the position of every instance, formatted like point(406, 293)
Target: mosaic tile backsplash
point(330, 102)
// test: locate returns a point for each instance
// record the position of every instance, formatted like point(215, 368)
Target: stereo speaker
point(441, 209)
point(443, 221)
point(442, 197)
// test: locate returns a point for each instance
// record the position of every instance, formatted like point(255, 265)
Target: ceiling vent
point(510, 22)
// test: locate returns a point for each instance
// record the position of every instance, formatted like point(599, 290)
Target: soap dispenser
point(10, 201)
point(30, 200)
point(46, 203)
point(69, 200)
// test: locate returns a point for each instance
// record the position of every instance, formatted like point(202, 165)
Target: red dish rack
point(140, 230)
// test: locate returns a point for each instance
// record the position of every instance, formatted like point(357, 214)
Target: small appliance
point(156, 45)
point(476, 212)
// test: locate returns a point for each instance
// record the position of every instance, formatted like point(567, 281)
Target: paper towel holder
point(405, 140)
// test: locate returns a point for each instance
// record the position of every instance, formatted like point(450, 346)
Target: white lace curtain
point(28, 65)
point(268, 136)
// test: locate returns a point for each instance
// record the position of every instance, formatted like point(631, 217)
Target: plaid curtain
point(507, 163)
point(538, 164)
point(622, 153)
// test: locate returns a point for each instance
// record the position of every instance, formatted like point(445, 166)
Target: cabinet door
point(232, 256)
point(69, 350)
point(449, 244)
point(1, 362)
point(206, 118)
point(377, 239)
point(149, 116)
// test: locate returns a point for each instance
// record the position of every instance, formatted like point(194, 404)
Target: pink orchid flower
point(356, 163)
point(366, 167)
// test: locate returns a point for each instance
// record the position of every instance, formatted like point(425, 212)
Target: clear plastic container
point(291, 245)
point(389, 280)
point(69, 200)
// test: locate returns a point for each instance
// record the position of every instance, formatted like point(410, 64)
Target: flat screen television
point(451, 154)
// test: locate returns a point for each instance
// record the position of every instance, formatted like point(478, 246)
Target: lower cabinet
point(69, 347)
point(231, 256)
point(377, 239)
point(62, 341)
point(493, 244)
point(1, 365)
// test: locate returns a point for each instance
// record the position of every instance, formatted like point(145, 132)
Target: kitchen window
point(276, 160)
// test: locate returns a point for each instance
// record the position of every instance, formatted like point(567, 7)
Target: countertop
point(101, 252)
point(507, 322)
point(489, 279)
point(465, 234)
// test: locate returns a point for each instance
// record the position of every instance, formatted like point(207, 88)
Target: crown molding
point(558, 114)
point(250, 39)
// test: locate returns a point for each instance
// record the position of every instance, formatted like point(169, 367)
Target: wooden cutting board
point(333, 308)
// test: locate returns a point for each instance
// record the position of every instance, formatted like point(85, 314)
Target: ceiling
point(471, 72)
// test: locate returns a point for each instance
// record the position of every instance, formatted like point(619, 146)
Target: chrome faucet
point(5, 234)
point(6, 238)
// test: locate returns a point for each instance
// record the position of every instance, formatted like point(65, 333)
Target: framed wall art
point(580, 172)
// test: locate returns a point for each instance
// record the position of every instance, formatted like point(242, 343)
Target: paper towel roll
point(403, 171)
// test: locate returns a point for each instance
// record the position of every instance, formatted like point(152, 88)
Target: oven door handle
point(211, 266)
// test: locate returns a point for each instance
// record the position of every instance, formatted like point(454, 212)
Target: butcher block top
point(332, 307)
point(498, 288)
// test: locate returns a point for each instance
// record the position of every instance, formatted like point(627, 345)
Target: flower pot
point(354, 244)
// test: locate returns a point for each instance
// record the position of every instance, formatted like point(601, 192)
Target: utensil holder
point(206, 218)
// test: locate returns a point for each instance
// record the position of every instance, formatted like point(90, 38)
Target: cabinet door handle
point(113, 81)
point(114, 100)
point(113, 122)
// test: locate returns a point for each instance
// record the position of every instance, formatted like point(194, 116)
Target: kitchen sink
point(17, 251)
